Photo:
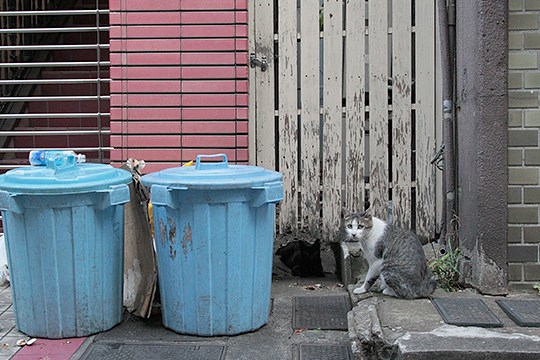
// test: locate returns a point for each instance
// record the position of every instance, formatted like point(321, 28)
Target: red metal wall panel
point(146, 86)
point(214, 58)
point(214, 72)
point(174, 31)
point(209, 113)
point(175, 127)
point(214, 17)
point(121, 17)
point(121, 114)
point(154, 58)
point(179, 80)
point(134, 72)
point(175, 86)
point(208, 5)
point(145, 127)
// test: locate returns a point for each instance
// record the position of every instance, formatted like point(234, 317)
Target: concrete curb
point(382, 327)
point(365, 330)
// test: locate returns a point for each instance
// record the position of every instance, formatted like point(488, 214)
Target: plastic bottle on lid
point(39, 157)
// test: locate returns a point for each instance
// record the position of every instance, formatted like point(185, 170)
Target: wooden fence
point(347, 109)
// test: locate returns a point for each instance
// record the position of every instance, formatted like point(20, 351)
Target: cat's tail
point(405, 290)
point(428, 287)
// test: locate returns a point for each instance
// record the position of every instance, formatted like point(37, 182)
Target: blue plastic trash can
point(63, 226)
point(214, 226)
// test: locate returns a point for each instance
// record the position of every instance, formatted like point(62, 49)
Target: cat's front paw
point(360, 290)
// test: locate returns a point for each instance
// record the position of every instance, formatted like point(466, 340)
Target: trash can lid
point(63, 180)
point(213, 175)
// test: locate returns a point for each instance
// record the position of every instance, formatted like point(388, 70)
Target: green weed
point(445, 269)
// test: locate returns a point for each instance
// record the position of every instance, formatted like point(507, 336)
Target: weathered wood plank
point(332, 121)
point(310, 117)
point(263, 81)
point(344, 151)
point(425, 117)
point(288, 113)
point(354, 107)
point(378, 107)
point(401, 113)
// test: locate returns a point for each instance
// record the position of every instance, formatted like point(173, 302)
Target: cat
point(393, 254)
point(302, 258)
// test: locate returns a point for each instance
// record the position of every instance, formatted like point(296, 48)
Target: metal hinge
point(253, 61)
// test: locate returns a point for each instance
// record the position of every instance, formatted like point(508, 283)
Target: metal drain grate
point(142, 330)
point(466, 312)
point(321, 312)
point(115, 351)
point(324, 352)
point(524, 312)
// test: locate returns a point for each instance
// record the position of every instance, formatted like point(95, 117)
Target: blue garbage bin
point(214, 226)
point(63, 226)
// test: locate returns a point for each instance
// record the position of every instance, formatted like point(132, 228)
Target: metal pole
point(447, 29)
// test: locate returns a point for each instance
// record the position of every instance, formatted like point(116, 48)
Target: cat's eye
point(349, 226)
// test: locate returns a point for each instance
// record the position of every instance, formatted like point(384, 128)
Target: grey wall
point(482, 137)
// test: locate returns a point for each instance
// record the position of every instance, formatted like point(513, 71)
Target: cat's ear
point(346, 212)
point(367, 213)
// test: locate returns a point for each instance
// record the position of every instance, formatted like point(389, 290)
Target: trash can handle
point(163, 195)
point(8, 203)
point(210, 166)
point(114, 195)
point(268, 194)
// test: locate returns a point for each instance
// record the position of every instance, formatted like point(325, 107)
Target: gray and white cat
point(394, 254)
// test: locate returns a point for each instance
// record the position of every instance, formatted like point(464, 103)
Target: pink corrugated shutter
point(179, 83)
